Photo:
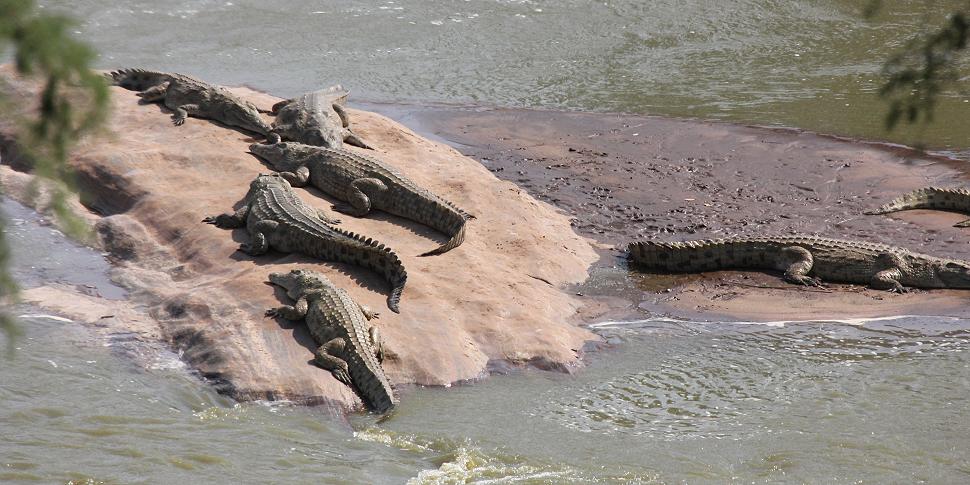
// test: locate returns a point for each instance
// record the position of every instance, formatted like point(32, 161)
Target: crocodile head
point(265, 181)
point(298, 281)
point(324, 138)
point(282, 156)
point(954, 274)
point(246, 116)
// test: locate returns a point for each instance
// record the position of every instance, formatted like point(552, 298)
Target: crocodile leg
point(154, 93)
point(183, 112)
point(298, 177)
point(260, 243)
point(229, 221)
point(294, 312)
point(326, 218)
point(342, 113)
point(368, 313)
point(326, 358)
point(351, 138)
point(278, 106)
point(358, 203)
point(377, 342)
point(888, 278)
point(801, 264)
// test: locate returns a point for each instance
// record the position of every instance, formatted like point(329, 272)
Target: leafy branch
point(73, 102)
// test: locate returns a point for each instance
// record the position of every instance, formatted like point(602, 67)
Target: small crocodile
point(364, 182)
point(276, 217)
point(317, 118)
point(187, 96)
point(955, 200)
point(349, 346)
point(806, 260)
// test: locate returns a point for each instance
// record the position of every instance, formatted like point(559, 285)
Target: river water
point(670, 401)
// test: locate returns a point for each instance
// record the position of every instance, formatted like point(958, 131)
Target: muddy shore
point(621, 178)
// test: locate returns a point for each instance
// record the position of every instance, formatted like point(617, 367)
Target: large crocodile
point(317, 118)
point(807, 260)
point(955, 200)
point(276, 217)
point(187, 96)
point(349, 346)
point(364, 182)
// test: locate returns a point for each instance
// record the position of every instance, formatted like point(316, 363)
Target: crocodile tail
point(456, 239)
point(927, 198)
point(382, 259)
point(136, 79)
point(449, 220)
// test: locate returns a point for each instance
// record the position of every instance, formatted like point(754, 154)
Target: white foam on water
point(772, 323)
point(47, 317)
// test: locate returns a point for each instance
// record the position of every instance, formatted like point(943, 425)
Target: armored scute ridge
point(956, 200)
point(364, 183)
point(275, 217)
point(187, 96)
point(316, 118)
point(806, 260)
point(349, 346)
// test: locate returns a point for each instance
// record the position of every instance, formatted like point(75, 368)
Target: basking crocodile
point(349, 346)
point(275, 216)
point(316, 118)
point(364, 182)
point(187, 96)
point(956, 200)
point(807, 260)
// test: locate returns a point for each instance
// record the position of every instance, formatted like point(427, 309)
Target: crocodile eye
point(955, 266)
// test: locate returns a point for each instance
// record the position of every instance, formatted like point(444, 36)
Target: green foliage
point(73, 102)
point(920, 73)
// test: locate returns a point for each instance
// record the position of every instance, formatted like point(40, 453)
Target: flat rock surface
point(623, 178)
point(498, 297)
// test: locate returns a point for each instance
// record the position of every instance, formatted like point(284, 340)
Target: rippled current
point(669, 401)
point(811, 64)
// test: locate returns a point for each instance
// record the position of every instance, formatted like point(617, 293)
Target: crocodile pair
point(877, 265)
point(316, 118)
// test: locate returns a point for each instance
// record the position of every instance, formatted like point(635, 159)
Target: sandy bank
point(148, 184)
point(622, 177)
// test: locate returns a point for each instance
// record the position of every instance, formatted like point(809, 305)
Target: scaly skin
point(187, 96)
point(807, 260)
point(364, 182)
point(955, 200)
point(349, 346)
point(275, 217)
point(316, 118)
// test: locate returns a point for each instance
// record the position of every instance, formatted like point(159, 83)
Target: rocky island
point(146, 185)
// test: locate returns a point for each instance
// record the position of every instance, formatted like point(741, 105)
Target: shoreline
point(614, 177)
point(590, 166)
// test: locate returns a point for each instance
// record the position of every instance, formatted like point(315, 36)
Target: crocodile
point(317, 118)
point(349, 346)
point(275, 217)
point(364, 183)
point(956, 200)
point(806, 260)
point(187, 96)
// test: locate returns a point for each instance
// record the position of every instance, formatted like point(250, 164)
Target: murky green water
point(670, 402)
point(811, 64)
